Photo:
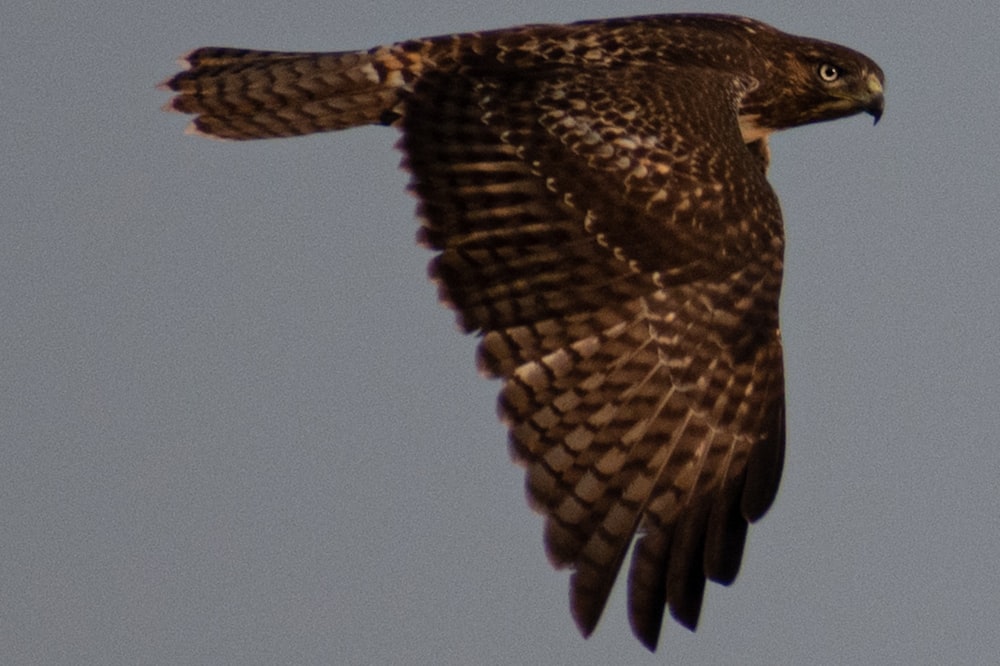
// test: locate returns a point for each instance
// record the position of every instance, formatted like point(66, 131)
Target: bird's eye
point(828, 72)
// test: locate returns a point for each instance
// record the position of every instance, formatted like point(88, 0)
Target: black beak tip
point(875, 108)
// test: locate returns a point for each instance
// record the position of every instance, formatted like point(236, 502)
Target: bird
point(596, 198)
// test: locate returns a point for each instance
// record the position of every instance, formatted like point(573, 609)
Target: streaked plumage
point(597, 199)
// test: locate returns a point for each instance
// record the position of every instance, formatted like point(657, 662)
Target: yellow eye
point(828, 72)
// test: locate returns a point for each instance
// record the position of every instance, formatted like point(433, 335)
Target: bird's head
point(815, 81)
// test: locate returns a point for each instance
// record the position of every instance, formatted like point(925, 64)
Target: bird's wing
point(618, 246)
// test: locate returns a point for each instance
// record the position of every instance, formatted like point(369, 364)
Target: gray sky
point(238, 428)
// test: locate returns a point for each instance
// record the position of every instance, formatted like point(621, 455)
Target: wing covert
point(651, 156)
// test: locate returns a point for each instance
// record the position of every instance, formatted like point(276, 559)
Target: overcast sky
point(237, 427)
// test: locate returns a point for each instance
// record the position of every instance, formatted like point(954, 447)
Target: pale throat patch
point(751, 131)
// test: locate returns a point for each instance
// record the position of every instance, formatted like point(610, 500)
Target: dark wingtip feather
point(726, 535)
point(647, 587)
point(646, 614)
point(585, 614)
point(649, 639)
point(764, 472)
point(686, 607)
point(686, 571)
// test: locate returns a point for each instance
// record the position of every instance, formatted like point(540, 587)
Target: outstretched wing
point(618, 246)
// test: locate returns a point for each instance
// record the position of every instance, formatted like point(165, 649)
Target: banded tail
point(246, 94)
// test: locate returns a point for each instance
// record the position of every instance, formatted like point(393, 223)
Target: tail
point(242, 94)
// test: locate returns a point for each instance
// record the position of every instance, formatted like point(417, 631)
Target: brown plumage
point(597, 199)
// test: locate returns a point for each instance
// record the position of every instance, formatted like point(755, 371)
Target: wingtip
point(649, 637)
point(585, 622)
point(686, 617)
point(686, 599)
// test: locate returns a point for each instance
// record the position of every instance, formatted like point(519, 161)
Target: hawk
point(596, 197)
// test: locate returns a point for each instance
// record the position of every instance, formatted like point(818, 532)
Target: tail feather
point(246, 94)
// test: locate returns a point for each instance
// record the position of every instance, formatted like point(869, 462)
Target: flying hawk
point(597, 200)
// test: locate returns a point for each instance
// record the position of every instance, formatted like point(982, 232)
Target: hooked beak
point(874, 103)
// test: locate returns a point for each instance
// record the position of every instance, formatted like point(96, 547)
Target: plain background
point(237, 428)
